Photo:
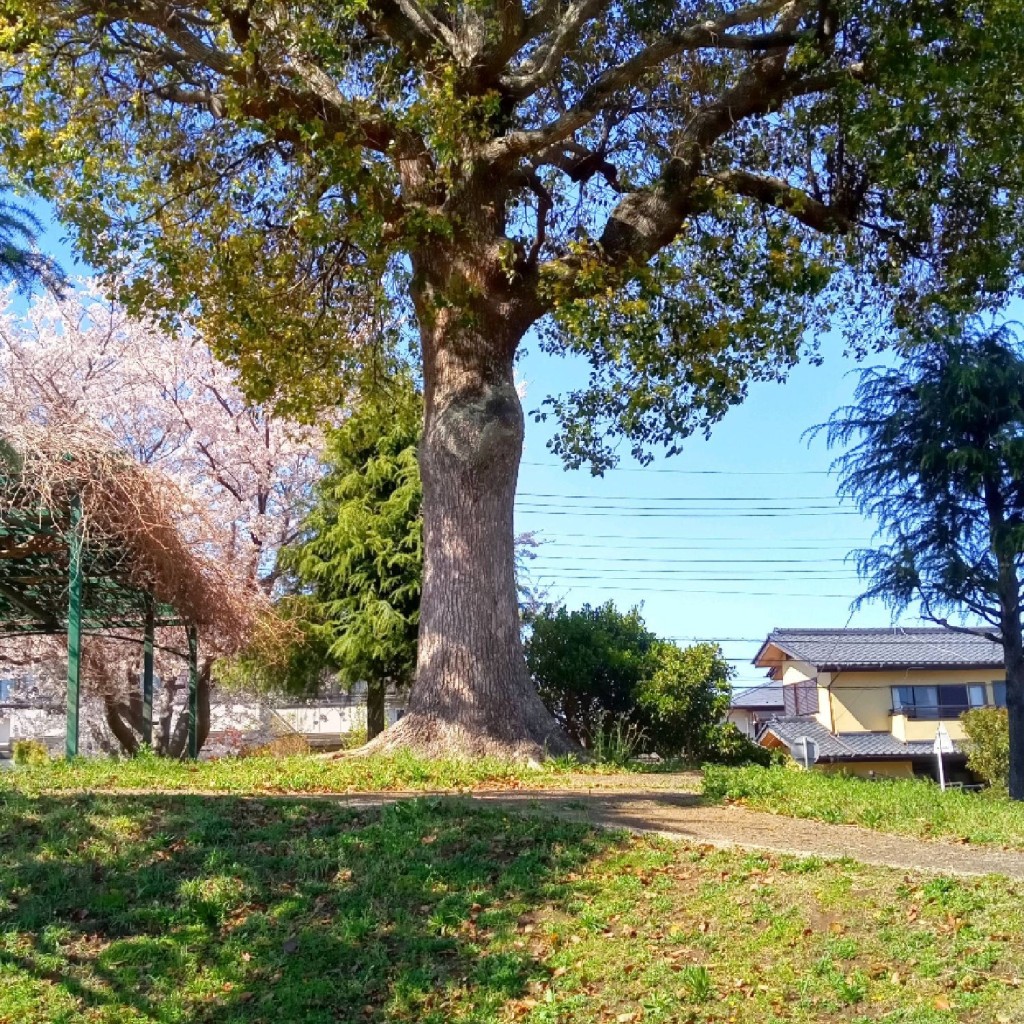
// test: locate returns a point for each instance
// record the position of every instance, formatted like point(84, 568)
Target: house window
point(935, 702)
point(999, 693)
point(5, 689)
point(801, 698)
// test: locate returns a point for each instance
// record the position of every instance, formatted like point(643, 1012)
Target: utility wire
point(656, 582)
point(687, 498)
point(689, 561)
point(655, 508)
point(712, 593)
point(694, 472)
point(808, 544)
point(643, 513)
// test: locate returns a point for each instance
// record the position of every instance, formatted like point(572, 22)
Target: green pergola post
point(74, 628)
point(193, 693)
point(147, 676)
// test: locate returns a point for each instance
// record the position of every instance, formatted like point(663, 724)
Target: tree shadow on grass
point(225, 909)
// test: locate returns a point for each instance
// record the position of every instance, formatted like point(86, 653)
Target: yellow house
point(872, 699)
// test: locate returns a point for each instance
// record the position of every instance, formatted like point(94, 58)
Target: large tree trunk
point(1013, 658)
point(1008, 586)
point(472, 694)
point(375, 710)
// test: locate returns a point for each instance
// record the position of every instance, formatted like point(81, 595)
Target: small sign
point(805, 750)
point(943, 744)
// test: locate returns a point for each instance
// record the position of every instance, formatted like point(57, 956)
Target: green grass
point(905, 806)
point(268, 774)
point(217, 909)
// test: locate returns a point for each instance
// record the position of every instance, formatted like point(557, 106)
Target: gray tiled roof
point(847, 746)
point(758, 698)
point(843, 649)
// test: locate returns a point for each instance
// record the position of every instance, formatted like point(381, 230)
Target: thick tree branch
point(115, 713)
point(409, 18)
point(319, 100)
point(542, 65)
point(772, 191)
point(545, 204)
point(645, 221)
point(623, 76)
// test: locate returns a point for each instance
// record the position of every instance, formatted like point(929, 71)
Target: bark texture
point(472, 695)
point(1013, 658)
point(376, 719)
point(124, 719)
point(1008, 589)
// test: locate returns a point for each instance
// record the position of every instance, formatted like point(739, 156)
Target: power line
point(688, 561)
point(694, 472)
point(866, 642)
point(609, 504)
point(717, 639)
point(634, 497)
point(766, 573)
point(642, 513)
point(698, 577)
point(807, 543)
point(712, 593)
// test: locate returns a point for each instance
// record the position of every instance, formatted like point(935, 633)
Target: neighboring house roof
point(850, 746)
point(758, 698)
point(836, 650)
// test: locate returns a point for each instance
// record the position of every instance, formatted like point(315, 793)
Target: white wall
point(743, 720)
point(35, 724)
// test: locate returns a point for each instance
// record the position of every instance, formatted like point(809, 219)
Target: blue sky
point(738, 534)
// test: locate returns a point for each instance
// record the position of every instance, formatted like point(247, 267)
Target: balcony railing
point(934, 712)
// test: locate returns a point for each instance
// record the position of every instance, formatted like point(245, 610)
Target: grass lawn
point(905, 806)
point(302, 773)
point(178, 908)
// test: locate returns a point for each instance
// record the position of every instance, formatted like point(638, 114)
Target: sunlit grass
point(217, 909)
point(301, 773)
point(905, 806)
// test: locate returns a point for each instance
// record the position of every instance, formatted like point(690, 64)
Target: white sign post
point(942, 745)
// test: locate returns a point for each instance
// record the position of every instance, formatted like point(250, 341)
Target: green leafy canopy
point(355, 571)
point(935, 454)
point(597, 667)
point(677, 192)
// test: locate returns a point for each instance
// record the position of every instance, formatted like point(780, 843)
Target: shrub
point(729, 746)
point(354, 738)
point(618, 741)
point(596, 667)
point(682, 698)
point(587, 665)
point(30, 752)
point(988, 744)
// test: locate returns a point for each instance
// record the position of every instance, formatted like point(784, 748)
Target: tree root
point(431, 737)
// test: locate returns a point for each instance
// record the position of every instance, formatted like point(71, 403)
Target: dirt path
point(682, 816)
point(670, 805)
